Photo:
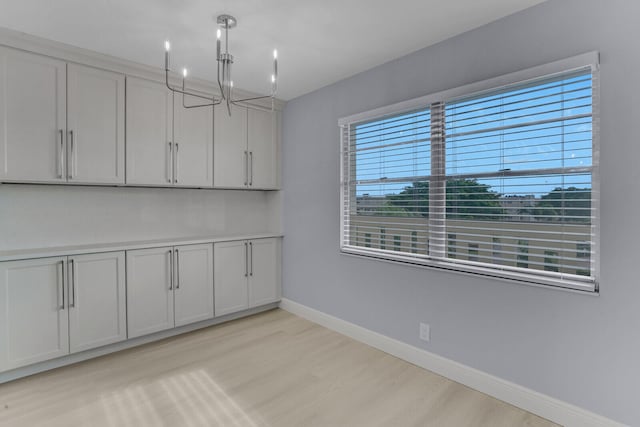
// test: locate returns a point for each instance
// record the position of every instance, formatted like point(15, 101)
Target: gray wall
point(582, 349)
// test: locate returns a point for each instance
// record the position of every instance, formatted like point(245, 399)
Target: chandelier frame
point(225, 83)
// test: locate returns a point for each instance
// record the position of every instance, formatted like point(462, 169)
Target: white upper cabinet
point(33, 312)
point(70, 123)
point(95, 131)
point(60, 122)
point(230, 154)
point(97, 300)
point(262, 148)
point(167, 144)
point(149, 135)
point(32, 117)
point(193, 143)
point(193, 288)
point(245, 148)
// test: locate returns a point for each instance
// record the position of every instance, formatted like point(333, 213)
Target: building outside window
point(451, 245)
point(473, 252)
point(523, 254)
point(551, 261)
point(497, 250)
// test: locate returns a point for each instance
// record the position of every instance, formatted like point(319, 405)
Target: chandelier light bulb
point(231, 83)
point(219, 33)
point(275, 53)
point(184, 73)
point(167, 45)
point(273, 78)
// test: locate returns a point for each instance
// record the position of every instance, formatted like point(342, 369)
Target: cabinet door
point(34, 320)
point(193, 138)
point(97, 300)
point(148, 132)
point(32, 117)
point(230, 277)
point(230, 147)
point(264, 271)
point(95, 135)
point(149, 291)
point(262, 149)
point(193, 283)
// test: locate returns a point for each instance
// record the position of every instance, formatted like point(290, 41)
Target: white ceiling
point(319, 42)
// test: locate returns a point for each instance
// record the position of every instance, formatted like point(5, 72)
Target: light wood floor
point(272, 369)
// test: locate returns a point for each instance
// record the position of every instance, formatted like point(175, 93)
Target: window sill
point(584, 288)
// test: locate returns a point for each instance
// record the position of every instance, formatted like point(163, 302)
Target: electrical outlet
point(425, 332)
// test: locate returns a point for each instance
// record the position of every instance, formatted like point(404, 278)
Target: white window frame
point(535, 277)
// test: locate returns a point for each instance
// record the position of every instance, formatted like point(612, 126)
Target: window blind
point(384, 157)
point(501, 182)
point(519, 175)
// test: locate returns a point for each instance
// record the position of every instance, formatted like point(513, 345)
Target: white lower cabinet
point(230, 278)
point(34, 319)
point(56, 306)
point(97, 300)
point(168, 287)
point(149, 291)
point(264, 272)
point(193, 295)
point(50, 307)
point(247, 274)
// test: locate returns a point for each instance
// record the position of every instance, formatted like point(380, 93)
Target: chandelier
point(225, 82)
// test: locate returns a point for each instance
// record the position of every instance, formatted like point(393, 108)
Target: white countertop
point(123, 246)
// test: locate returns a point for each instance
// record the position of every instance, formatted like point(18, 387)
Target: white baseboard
point(537, 403)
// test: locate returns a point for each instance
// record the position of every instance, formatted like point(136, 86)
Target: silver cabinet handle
point(251, 251)
point(72, 283)
point(71, 164)
point(246, 259)
point(246, 168)
point(61, 284)
point(251, 168)
point(170, 269)
point(61, 155)
point(175, 166)
point(169, 163)
point(177, 268)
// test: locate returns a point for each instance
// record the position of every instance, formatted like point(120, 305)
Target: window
point(523, 254)
point(551, 260)
point(451, 245)
point(583, 250)
point(504, 169)
point(473, 252)
point(497, 250)
point(397, 243)
point(383, 238)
